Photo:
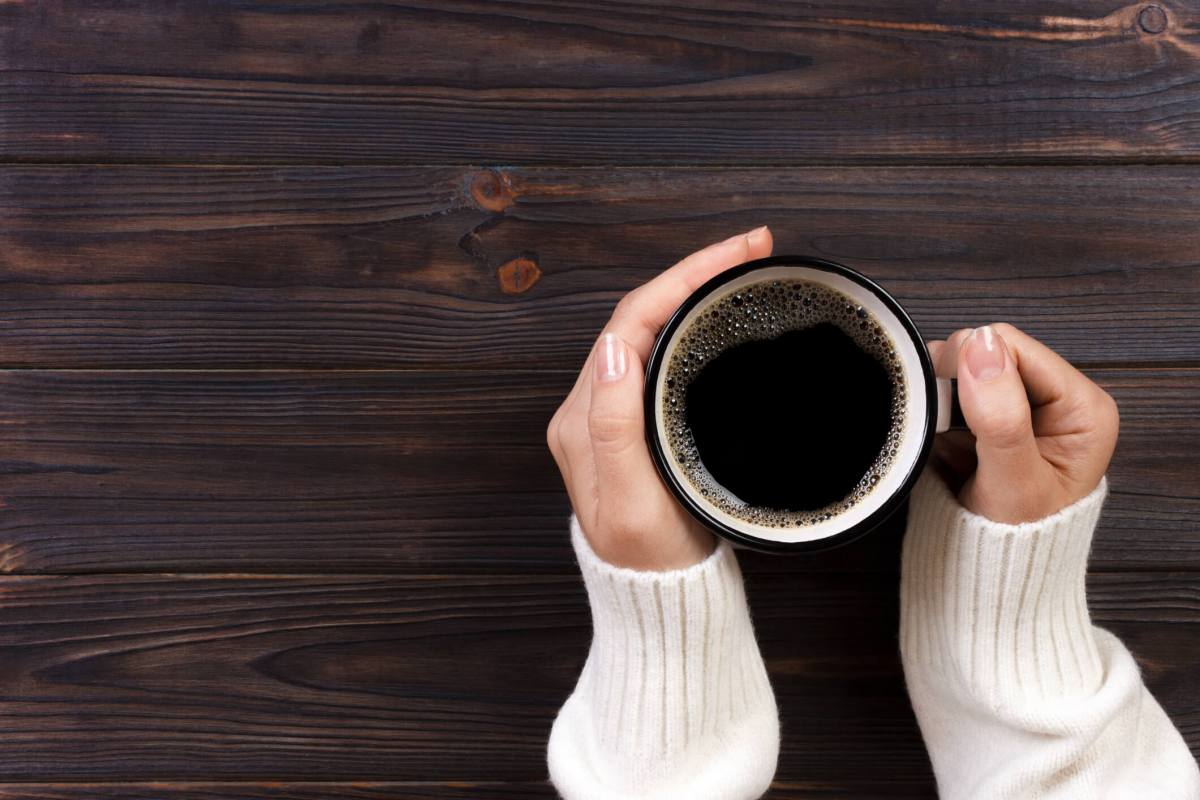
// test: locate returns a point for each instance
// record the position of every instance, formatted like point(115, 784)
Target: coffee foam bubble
point(764, 311)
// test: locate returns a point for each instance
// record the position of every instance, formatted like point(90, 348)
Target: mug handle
point(949, 412)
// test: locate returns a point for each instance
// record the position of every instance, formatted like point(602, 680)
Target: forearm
point(674, 700)
point(1017, 694)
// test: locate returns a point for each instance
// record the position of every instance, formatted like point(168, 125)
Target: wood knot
point(519, 274)
point(1152, 19)
point(492, 191)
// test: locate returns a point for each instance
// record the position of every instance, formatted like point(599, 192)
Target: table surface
point(291, 290)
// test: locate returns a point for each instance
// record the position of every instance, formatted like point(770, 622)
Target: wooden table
point(290, 290)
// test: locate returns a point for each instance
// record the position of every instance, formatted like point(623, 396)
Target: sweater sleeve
point(1017, 695)
point(673, 701)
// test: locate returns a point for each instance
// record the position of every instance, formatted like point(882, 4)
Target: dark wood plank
point(280, 471)
point(1157, 450)
point(279, 790)
point(259, 267)
point(613, 82)
point(442, 678)
point(371, 790)
point(411, 471)
point(390, 790)
point(374, 678)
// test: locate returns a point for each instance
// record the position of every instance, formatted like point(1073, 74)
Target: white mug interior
point(912, 434)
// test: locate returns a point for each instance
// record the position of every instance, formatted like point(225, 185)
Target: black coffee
point(784, 403)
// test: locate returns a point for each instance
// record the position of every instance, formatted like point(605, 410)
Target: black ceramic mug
point(929, 405)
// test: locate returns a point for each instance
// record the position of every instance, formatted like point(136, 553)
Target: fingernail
point(611, 361)
point(752, 236)
point(985, 354)
point(757, 237)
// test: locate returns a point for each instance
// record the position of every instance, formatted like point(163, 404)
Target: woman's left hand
point(1042, 433)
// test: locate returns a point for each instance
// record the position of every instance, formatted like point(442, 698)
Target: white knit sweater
point(1017, 695)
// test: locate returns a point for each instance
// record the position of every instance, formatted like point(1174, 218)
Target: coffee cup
point(791, 404)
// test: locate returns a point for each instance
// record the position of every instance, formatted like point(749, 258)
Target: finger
point(955, 449)
point(935, 347)
point(669, 289)
point(564, 431)
point(625, 475)
point(574, 439)
point(643, 312)
point(996, 409)
point(578, 470)
point(583, 379)
point(694, 270)
point(945, 353)
point(1059, 393)
point(554, 439)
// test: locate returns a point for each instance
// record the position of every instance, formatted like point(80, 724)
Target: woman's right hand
point(598, 436)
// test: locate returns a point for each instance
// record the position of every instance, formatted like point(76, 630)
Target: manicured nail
point(757, 237)
point(985, 354)
point(752, 237)
point(611, 361)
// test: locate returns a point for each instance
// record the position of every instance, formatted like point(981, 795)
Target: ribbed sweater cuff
point(999, 607)
point(673, 675)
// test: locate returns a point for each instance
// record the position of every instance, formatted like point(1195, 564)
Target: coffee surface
point(784, 403)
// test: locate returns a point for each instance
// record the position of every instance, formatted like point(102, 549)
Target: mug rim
point(674, 482)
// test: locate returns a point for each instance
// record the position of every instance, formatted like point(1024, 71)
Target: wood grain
point(439, 678)
point(280, 790)
point(293, 288)
point(390, 790)
point(374, 678)
point(301, 472)
point(282, 471)
point(384, 268)
point(488, 82)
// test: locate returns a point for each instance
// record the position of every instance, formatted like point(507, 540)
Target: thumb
point(996, 408)
point(625, 474)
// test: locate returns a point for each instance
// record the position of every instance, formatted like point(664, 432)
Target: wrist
point(998, 605)
point(1014, 500)
point(677, 542)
